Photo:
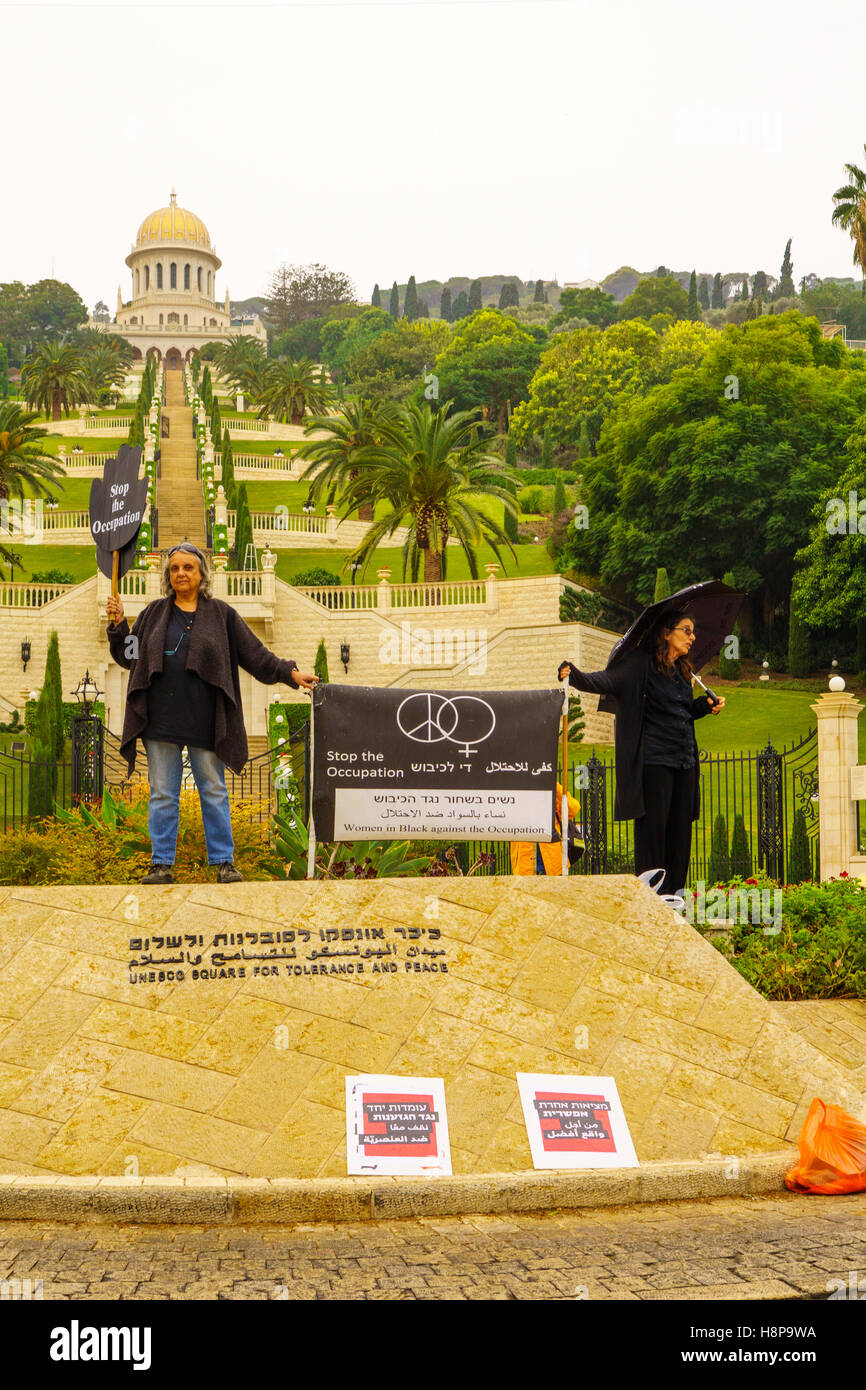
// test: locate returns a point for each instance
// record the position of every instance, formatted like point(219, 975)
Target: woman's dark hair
point(658, 646)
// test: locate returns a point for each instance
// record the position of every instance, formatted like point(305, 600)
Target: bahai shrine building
point(173, 309)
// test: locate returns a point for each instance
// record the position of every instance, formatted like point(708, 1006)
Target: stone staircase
point(179, 495)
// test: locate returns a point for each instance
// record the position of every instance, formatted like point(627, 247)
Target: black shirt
point(180, 705)
point(669, 733)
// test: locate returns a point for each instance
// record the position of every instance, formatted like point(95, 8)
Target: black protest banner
point(417, 764)
point(117, 502)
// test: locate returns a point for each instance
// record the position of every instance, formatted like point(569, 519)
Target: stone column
point(491, 591)
point(383, 596)
point(837, 714)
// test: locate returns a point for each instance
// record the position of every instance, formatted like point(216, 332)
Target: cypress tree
point(228, 479)
point(43, 765)
point(799, 644)
point(461, 306)
point(320, 665)
point(394, 303)
point(759, 285)
point(216, 424)
point(560, 501)
point(410, 304)
point(741, 854)
point(445, 310)
point(744, 289)
point(539, 295)
point(799, 857)
point(43, 780)
point(703, 293)
point(376, 298)
point(576, 721)
point(475, 296)
point(719, 866)
point(583, 449)
point(718, 299)
point(546, 448)
point(785, 287)
point(52, 688)
point(692, 311)
point(508, 296)
point(423, 309)
point(663, 586)
point(4, 373)
point(243, 526)
point(729, 666)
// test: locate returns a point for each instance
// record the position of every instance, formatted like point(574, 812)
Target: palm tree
point(431, 478)
point(104, 372)
point(25, 468)
point(335, 458)
point(293, 388)
point(53, 379)
point(850, 211)
point(241, 362)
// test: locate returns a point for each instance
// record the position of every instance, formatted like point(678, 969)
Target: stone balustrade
point(32, 596)
point(251, 592)
point(385, 597)
point(279, 522)
point(118, 424)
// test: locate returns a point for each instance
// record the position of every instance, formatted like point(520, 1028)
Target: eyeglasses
point(191, 549)
point(689, 631)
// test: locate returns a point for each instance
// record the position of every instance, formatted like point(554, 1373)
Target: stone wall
point(513, 641)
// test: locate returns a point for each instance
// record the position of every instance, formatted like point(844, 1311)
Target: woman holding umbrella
point(648, 685)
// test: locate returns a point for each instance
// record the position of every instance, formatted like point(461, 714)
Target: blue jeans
point(165, 769)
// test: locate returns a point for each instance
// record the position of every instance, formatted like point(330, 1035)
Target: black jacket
point(220, 642)
point(625, 684)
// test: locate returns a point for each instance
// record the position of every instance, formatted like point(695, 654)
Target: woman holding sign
point(656, 752)
point(183, 652)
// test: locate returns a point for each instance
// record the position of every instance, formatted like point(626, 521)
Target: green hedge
point(70, 708)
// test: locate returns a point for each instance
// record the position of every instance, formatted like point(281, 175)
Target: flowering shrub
point(109, 843)
point(819, 951)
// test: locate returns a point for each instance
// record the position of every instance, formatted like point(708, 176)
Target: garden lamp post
point(87, 744)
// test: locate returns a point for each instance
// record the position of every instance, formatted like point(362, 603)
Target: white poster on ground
point(575, 1122)
point(396, 1125)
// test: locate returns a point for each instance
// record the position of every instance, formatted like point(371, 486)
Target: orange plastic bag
point(832, 1148)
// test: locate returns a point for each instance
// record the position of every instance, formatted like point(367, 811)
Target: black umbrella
point(713, 608)
point(117, 502)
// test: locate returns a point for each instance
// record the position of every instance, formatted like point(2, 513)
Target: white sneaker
point(649, 876)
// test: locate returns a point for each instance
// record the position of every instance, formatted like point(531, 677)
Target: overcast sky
point(528, 137)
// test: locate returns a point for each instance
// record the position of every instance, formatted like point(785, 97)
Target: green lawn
point(89, 444)
point(250, 444)
point(77, 560)
point(531, 559)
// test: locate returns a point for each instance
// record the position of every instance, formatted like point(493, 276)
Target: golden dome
point(173, 224)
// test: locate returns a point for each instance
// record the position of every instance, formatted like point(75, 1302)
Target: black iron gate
point(750, 799)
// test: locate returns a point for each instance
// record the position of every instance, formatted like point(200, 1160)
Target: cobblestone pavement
point(778, 1247)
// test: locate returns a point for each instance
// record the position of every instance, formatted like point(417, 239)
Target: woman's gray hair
point(206, 586)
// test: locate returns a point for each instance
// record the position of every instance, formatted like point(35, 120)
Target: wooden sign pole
point(563, 814)
point(115, 561)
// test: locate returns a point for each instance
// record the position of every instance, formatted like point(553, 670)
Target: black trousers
point(663, 834)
